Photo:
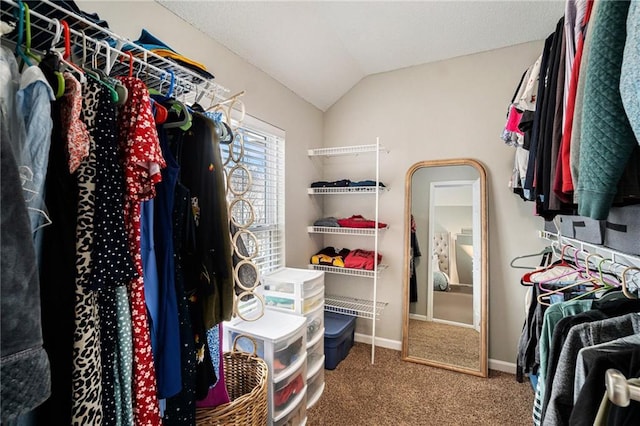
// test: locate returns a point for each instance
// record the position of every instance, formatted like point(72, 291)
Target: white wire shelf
point(369, 232)
point(348, 271)
point(345, 150)
point(155, 70)
point(347, 190)
point(361, 308)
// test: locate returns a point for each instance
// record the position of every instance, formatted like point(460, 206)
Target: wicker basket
point(246, 379)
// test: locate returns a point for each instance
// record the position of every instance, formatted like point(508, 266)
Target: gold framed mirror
point(445, 298)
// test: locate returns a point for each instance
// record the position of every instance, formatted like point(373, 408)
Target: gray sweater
point(561, 401)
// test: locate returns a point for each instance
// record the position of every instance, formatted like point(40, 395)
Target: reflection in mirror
point(445, 305)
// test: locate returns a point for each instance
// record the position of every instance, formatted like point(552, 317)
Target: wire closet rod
point(615, 262)
point(151, 64)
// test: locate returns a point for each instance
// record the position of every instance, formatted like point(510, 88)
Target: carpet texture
point(444, 343)
point(396, 392)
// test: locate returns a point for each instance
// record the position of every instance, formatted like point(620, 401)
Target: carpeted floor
point(400, 393)
point(444, 343)
point(453, 306)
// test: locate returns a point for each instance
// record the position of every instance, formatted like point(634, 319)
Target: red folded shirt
point(361, 259)
point(357, 221)
point(280, 397)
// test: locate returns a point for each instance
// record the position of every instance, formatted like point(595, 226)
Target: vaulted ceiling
point(321, 49)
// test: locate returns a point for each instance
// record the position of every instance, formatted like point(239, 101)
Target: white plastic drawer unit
point(288, 392)
point(300, 283)
point(315, 386)
point(280, 339)
point(296, 417)
point(315, 352)
point(288, 303)
point(315, 323)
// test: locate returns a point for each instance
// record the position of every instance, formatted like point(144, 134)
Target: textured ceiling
point(321, 49)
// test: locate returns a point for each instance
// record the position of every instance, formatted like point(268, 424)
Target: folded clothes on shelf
point(327, 221)
point(345, 183)
point(361, 259)
point(366, 183)
point(342, 183)
point(329, 256)
point(358, 221)
point(150, 42)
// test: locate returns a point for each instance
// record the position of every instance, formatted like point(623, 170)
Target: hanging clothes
point(24, 365)
point(58, 269)
point(87, 369)
point(142, 160)
point(201, 170)
point(603, 114)
point(181, 408)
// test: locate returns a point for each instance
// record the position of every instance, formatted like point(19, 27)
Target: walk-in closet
point(320, 213)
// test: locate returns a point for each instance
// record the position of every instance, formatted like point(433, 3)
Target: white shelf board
point(344, 150)
point(349, 271)
point(369, 232)
point(361, 308)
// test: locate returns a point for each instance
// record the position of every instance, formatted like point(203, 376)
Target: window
point(262, 149)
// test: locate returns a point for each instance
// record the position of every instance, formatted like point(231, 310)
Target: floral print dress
point(142, 160)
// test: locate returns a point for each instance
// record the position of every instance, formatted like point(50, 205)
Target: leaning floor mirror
point(445, 276)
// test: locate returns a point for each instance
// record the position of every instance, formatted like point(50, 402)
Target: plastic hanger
point(66, 56)
point(184, 116)
point(160, 113)
point(625, 288)
point(527, 256)
point(561, 290)
point(19, 50)
point(27, 31)
point(54, 67)
point(600, 276)
point(98, 74)
point(130, 56)
point(561, 268)
point(120, 89)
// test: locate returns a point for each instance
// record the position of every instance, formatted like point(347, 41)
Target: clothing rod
point(146, 62)
point(613, 258)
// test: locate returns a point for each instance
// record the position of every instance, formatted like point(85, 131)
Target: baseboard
point(494, 364)
point(506, 367)
point(418, 317)
point(383, 343)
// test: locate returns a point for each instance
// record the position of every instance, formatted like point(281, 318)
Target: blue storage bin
point(339, 332)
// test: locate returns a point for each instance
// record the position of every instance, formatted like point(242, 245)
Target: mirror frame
point(484, 268)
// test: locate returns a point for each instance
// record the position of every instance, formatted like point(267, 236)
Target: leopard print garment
point(87, 366)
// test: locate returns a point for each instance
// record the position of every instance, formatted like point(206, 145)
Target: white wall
point(265, 99)
point(450, 109)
